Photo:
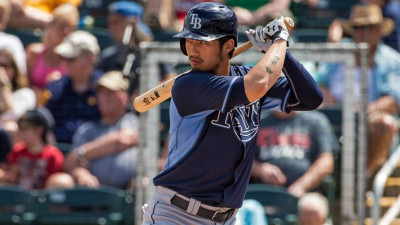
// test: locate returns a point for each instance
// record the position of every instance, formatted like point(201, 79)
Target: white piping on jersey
point(286, 100)
point(292, 86)
point(227, 93)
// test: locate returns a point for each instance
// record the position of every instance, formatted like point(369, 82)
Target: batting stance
point(215, 112)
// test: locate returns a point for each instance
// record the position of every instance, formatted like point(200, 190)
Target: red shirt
point(34, 169)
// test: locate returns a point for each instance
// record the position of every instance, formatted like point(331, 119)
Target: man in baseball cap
point(114, 135)
point(114, 81)
point(126, 26)
point(75, 91)
point(132, 10)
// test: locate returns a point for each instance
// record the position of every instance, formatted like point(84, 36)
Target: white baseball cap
point(76, 43)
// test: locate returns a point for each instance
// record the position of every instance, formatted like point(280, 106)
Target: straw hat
point(364, 15)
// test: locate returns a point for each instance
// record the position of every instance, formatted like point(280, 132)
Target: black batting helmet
point(208, 21)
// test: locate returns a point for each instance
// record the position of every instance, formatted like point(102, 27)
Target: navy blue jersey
point(213, 133)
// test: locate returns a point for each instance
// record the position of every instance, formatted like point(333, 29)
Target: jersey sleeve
point(198, 92)
point(277, 97)
point(305, 93)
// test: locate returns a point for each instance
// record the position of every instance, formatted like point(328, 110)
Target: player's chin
point(196, 67)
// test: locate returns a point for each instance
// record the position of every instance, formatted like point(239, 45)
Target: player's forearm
point(265, 73)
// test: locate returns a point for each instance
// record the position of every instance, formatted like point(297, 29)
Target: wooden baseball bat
point(162, 92)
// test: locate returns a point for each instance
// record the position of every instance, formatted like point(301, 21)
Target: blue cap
point(127, 9)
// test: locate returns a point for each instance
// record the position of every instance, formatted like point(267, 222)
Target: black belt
point(216, 216)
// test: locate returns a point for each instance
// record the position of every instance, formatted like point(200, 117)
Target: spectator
point(366, 24)
point(105, 150)
point(296, 151)
point(11, 42)
point(390, 9)
point(34, 14)
point(44, 65)
point(15, 97)
point(33, 160)
point(72, 98)
point(128, 30)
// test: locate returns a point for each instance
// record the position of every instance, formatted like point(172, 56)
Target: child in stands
point(33, 160)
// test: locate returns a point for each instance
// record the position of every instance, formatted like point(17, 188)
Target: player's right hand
point(274, 30)
point(262, 45)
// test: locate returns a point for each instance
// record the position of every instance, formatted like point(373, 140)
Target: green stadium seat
point(103, 36)
point(80, 206)
point(65, 148)
point(128, 207)
point(322, 15)
point(310, 35)
point(15, 206)
point(280, 206)
point(26, 36)
point(97, 9)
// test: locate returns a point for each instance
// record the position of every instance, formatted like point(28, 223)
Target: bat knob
point(289, 23)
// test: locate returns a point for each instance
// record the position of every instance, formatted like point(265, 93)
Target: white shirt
point(14, 45)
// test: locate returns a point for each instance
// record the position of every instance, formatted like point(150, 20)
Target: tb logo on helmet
point(196, 21)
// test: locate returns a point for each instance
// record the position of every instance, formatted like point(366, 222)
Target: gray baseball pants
point(160, 211)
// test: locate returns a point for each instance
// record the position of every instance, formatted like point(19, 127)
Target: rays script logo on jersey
point(243, 119)
point(195, 21)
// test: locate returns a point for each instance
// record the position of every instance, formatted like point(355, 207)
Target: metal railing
point(378, 189)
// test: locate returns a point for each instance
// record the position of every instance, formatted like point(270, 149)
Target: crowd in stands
point(65, 107)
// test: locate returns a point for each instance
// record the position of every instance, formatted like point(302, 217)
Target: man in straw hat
point(366, 24)
point(390, 9)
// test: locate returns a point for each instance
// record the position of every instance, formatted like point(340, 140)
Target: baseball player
point(214, 115)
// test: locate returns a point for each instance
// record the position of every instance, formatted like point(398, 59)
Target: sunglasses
point(365, 27)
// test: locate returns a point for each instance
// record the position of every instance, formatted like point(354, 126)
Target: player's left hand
point(274, 30)
point(261, 45)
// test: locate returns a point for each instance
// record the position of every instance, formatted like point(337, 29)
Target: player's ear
point(229, 45)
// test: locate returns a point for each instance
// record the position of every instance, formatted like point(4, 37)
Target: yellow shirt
point(49, 5)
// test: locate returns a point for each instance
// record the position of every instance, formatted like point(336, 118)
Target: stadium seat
point(80, 206)
point(103, 36)
point(27, 36)
point(128, 207)
point(97, 9)
point(65, 148)
point(307, 35)
point(280, 206)
point(15, 206)
point(334, 114)
point(322, 15)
